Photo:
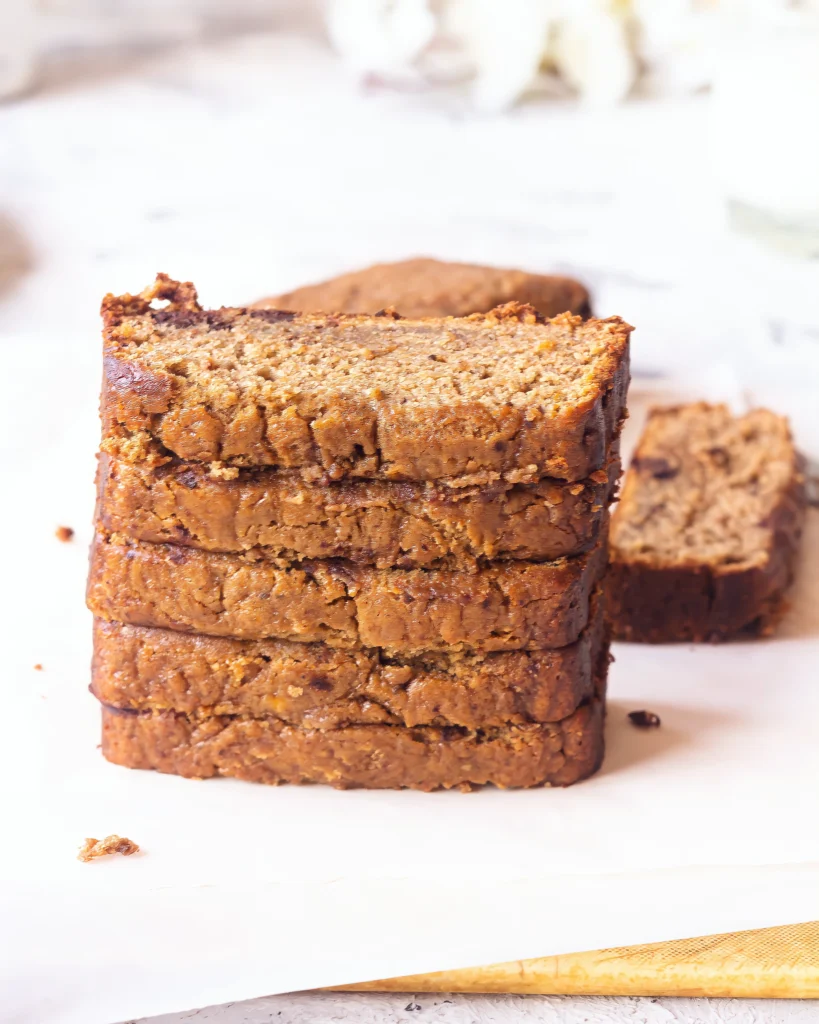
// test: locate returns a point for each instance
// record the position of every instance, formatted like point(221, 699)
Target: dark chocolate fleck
point(188, 479)
point(273, 316)
point(720, 457)
point(180, 319)
point(659, 468)
point(644, 719)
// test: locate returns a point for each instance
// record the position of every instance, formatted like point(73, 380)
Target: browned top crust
point(425, 287)
point(504, 394)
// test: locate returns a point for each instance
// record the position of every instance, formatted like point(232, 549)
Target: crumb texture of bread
point(704, 538)
point(506, 606)
point(369, 756)
point(92, 849)
point(498, 395)
point(319, 687)
point(283, 518)
point(424, 287)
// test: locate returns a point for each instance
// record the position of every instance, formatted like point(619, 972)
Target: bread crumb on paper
point(93, 848)
point(64, 533)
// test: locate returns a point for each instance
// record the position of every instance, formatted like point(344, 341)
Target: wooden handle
point(767, 963)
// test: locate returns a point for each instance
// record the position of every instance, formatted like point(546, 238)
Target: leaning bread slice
point(503, 395)
point(423, 287)
point(506, 606)
point(704, 538)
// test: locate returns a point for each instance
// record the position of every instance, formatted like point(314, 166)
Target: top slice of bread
point(503, 395)
point(424, 287)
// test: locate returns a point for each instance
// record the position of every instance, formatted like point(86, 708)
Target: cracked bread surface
point(359, 756)
point(705, 535)
point(506, 606)
point(382, 523)
point(502, 395)
point(424, 287)
point(316, 686)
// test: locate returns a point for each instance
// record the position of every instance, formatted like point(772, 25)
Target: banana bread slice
point(283, 518)
point(704, 538)
point(316, 686)
point(505, 394)
point(507, 606)
point(358, 756)
point(423, 287)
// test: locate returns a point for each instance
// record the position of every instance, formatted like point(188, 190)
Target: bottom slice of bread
point(363, 756)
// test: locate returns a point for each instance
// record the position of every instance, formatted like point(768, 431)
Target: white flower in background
point(381, 37)
point(18, 44)
point(585, 42)
point(599, 48)
point(592, 51)
point(504, 44)
point(674, 41)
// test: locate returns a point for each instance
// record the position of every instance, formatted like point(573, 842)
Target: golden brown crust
point(285, 519)
point(508, 606)
point(424, 287)
point(359, 756)
point(320, 687)
point(364, 396)
point(706, 533)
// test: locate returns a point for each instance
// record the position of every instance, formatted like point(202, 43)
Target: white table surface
point(252, 165)
point(366, 1008)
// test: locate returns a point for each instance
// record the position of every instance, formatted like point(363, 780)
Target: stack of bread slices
point(360, 550)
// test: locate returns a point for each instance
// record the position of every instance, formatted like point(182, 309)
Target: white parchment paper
point(707, 824)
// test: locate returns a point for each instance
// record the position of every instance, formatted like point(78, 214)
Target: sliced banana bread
point(505, 606)
point(369, 756)
point(503, 395)
point(281, 517)
point(704, 538)
point(322, 687)
point(424, 287)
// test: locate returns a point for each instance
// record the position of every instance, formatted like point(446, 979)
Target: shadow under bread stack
point(357, 550)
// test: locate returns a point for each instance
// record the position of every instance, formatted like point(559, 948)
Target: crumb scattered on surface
point(64, 533)
point(93, 848)
point(644, 719)
point(38, 667)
